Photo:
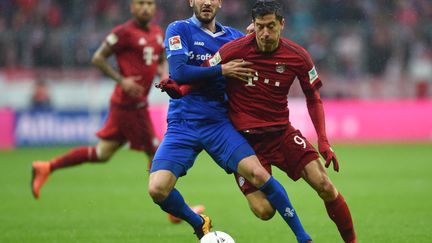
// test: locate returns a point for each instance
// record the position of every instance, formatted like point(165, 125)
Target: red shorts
point(131, 125)
point(286, 149)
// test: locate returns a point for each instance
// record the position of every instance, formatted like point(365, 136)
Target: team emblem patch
point(280, 68)
point(313, 75)
point(175, 43)
point(241, 181)
point(112, 39)
point(215, 59)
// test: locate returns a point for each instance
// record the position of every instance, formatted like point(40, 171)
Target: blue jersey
point(187, 37)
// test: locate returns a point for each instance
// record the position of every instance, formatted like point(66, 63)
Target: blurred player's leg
point(337, 209)
point(41, 170)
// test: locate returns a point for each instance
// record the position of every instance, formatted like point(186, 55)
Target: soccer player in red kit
point(258, 108)
point(139, 50)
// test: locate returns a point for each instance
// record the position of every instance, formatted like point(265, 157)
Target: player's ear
point(220, 3)
point(283, 23)
point(191, 3)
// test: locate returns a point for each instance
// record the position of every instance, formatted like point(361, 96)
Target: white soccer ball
point(217, 237)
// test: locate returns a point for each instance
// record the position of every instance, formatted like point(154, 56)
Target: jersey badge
point(142, 41)
point(280, 67)
point(112, 39)
point(175, 43)
point(216, 59)
point(313, 75)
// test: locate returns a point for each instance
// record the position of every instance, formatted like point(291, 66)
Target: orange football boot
point(40, 173)
point(205, 228)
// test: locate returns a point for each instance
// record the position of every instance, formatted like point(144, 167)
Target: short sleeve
point(176, 39)
point(117, 39)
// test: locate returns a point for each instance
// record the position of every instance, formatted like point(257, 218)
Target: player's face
point(268, 31)
point(205, 10)
point(143, 10)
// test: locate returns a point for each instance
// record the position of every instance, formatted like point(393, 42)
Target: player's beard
point(202, 19)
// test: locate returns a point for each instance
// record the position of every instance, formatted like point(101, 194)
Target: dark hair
point(264, 7)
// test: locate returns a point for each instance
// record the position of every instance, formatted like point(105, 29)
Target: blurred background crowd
point(362, 48)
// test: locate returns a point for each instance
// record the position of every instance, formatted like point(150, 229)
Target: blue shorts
point(185, 139)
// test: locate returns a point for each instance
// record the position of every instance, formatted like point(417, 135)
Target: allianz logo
point(199, 43)
point(199, 57)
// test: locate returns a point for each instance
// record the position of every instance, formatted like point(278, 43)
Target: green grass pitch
point(387, 186)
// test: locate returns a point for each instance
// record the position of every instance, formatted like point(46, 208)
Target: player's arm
point(316, 113)
point(128, 84)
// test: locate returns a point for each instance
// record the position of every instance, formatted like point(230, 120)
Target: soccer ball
point(217, 237)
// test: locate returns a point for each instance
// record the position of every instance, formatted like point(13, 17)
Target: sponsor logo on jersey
point(199, 57)
point(112, 39)
point(175, 43)
point(289, 212)
point(216, 59)
point(142, 41)
point(313, 75)
point(199, 43)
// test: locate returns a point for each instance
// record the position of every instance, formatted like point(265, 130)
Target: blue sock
point(278, 198)
point(175, 205)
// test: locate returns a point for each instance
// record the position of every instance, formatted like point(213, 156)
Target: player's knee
point(157, 192)
point(258, 176)
point(104, 157)
point(327, 191)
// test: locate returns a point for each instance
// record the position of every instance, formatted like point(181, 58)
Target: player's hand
point(250, 29)
point(130, 86)
point(238, 68)
point(173, 89)
point(327, 152)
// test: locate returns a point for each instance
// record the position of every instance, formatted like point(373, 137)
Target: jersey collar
point(220, 29)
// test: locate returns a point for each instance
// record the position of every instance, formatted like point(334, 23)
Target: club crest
point(280, 68)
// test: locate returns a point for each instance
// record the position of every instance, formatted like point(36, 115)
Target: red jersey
point(263, 101)
point(137, 52)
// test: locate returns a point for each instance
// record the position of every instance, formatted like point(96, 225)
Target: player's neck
point(211, 26)
point(143, 25)
point(267, 49)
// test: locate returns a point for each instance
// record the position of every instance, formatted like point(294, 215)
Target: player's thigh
point(224, 144)
point(297, 152)
point(178, 150)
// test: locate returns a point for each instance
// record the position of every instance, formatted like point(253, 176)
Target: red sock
point(74, 157)
point(338, 211)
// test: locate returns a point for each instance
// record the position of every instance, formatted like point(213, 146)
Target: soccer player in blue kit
point(199, 121)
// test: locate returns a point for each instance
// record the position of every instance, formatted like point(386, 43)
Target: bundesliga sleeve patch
point(175, 43)
point(216, 59)
point(313, 75)
point(112, 39)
